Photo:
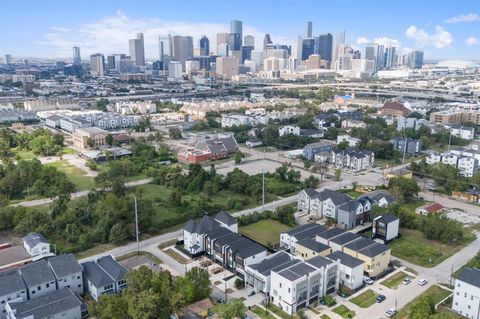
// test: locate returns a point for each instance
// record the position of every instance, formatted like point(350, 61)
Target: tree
point(403, 187)
point(176, 197)
point(338, 174)
point(331, 133)
point(174, 133)
point(234, 308)
point(423, 308)
point(343, 145)
point(199, 282)
point(321, 169)
point(109, 307)
point(239, 284)
point(239, 156)
point(311, 182)
point(102, 104)
point(109, 139)
point(118, 232)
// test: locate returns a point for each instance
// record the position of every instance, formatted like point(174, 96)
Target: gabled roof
point(350, 206)
point(37, 273)
point(296, 271)
point(332, 232)
point(11, 282)
point(394, 105)
point(64, 265)
point(359, 244)
point(374, 250)
point(96, 275)
point(310, 232)
point(377, 195)
point(33, 239)
point(225, 218)
point(300, 229)
point(345, 259)
point(47, 306)
point(112, 267)
point(470, 276)
point(319, 261)
point(273, 261)
point(312, 244)
point(345, 238)
point(310, 192)
point(202, 225)
point(336, 197)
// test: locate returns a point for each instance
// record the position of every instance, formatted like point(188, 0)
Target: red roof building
point(395, 109)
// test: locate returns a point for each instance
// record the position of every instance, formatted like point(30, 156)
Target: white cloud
point(471, 17)
point(387, 42)
point(362, 40)
point(472, 41)
point(441, 38)
point(110, 35)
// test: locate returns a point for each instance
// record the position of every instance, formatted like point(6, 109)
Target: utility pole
point(136, 225)
point(263, 190)
point(450, 139)
point(405, 141)
point(451, 275)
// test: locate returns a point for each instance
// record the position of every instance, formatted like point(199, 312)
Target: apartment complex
point(89, 138)
point(456, 117)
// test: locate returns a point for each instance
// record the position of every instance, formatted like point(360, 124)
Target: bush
point(239, 284)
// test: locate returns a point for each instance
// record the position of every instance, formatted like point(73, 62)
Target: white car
point(422, 282)
point(391, 312)
point(406, 281)
point(367, 280)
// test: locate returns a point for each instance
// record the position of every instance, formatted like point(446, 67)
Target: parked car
point(380, 298)
point(391, 312)
point(422, 282)
point(367, 280)
point(406, 281)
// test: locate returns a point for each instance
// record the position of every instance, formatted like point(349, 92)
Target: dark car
point(380, 298)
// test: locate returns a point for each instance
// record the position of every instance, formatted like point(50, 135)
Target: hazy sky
point(49, 28)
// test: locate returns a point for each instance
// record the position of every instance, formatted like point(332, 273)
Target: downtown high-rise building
point(324, 44)
point(338, 40)
point(266, 41)
point(236, 35)
point(137, 50)
point(8, 59)
point(308, 48)
point(77, 60)
point(249, 40)
point(390, 57)
point(97, 64)
point(182, 48)
point(380, 57)
point(204, 45)
point(222, 39)
point(165, 49)
point(370, 52)
point(415, 59)
point(309, 29)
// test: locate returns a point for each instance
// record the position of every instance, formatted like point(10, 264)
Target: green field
point(395, 280)
point(76, 175)
point(265, 231)
point(352, 193)
point(435, 292)
point(365, 299)
point(415, 248)
point(344, 312)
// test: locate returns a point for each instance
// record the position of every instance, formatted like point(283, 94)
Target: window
point(280, 285)
point(39, 288)
point(288, 289)
point(47, 285)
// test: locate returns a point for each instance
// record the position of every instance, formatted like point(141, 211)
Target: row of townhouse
point(218, 239)
point(296, 130)
point(301, 242)
point(466, 295)
point(466, 161)
point(104, 120)
point(345, 210)
point(230, 120)
point(407, 145)
point(46, 281)
point(352, 159)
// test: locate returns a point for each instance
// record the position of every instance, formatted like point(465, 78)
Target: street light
point(136, 226)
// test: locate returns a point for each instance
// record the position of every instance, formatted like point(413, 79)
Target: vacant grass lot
point(365, 299)
point(415, 248)
point(344, 312)
point(265, 231)
point(175, 255)
point(395, 280)
point(435, 292)
point(76, 175)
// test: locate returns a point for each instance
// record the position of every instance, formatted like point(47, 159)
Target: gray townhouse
point(12, 288)
point(103, 276)
point(38, 278)
point(68, 272)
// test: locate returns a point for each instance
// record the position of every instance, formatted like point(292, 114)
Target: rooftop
point(64, 265)
point(312, 244)
point(470, 276)
point(37, 273)
point(11, 282)
point(345, 259)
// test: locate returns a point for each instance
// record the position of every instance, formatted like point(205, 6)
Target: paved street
point(451, 203)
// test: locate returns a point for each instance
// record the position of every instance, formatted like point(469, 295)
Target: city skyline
point(435, 27)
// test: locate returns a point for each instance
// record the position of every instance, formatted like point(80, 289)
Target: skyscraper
point(182, 48)
point(76, 56)
point(246, 52)
point(204, 46)
point(110, 62)
point(338, 40)
point(370, 53)
point(266, 41)
point(380, 57)
point(249, 40)
point(308, 48)
point(324, 44)
point(97, 64)
point(236, 35)
point(165, 49)
point(391, 57)
point(309, 29)
point(8, 58)
point(137, 50)
point(415, 59)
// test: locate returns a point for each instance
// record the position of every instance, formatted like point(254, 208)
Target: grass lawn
point(436, 293)
point(325, 317)
point(265, 231)
point(172, 253)
point(76, 175)
point(260, 312)
point(415, 248)
point(68, 150)
point(365, 299)
point(279, 312)
point(352, 193)
point(395, 280)
point(344, 312)
point(97, 249)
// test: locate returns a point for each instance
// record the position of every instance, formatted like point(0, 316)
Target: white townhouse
point(36, 245)
point(12, 288)
point(466, 295)
point(350, 269)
